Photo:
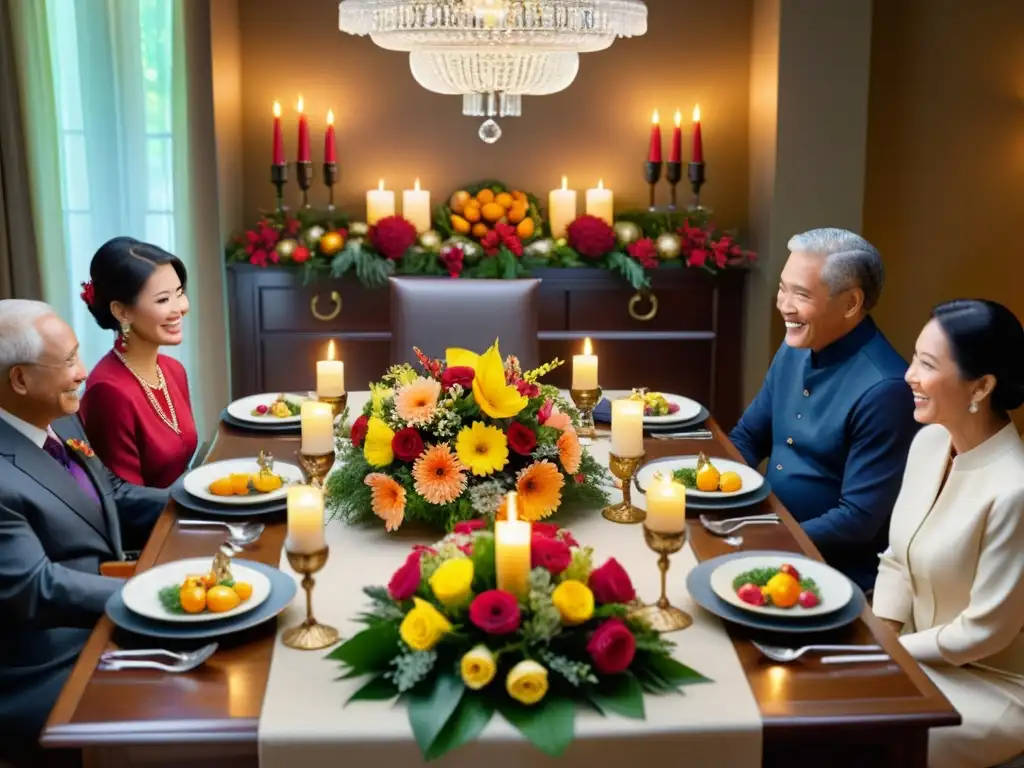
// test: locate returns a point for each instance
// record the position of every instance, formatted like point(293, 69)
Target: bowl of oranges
point(796, 587)
point(475, 211)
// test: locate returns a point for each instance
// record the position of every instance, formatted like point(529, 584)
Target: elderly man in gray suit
point(62, 514)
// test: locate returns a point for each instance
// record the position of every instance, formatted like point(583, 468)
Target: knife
point(698, 434)
point(855, 658)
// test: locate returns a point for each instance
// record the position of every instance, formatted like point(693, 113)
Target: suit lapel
point(47, 472)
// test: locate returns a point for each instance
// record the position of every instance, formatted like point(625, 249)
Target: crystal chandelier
point(493, 52)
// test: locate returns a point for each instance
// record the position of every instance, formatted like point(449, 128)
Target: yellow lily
point(495, 398)
point(458, 357)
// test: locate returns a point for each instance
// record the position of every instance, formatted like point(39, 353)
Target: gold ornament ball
point(431, 240)
point(668, 245)
point(312, 235)
point(627, 232)
point(286, 248)
point(358, 229)
point(331, 243)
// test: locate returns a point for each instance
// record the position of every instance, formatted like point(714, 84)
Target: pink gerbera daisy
point(416, 401)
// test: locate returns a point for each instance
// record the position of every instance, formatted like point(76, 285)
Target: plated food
point(239, 482)
point(284, 407)
point(707, 478)
point(248, 483)
point(781, 587)
point(656, 404)
point(215, 591)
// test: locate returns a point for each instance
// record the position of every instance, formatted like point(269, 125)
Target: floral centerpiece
point(456, 648)
point(447, 445)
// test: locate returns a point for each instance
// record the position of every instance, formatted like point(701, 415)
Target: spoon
point(241, 533)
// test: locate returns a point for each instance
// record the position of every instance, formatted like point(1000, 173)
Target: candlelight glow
point(696, 113)
point(587, 348)
point(600, 183)
point(330, 117)
point(655, 118)
point(416, 186)
point(330, 350)
point(511, 501)
point(299, 105)
point(380, 185)
point(277, 109)
point(565, 183)
point(679, 118)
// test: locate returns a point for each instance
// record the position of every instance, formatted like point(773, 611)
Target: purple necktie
point(56, 449)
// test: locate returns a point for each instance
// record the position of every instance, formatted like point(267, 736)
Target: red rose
point(610, 583)
point(392, 236)
point(495, 612)
point(612, 647)
point(406, 579)
point(527, 388)
point(407, 444)
point(300, 254)
point(358, 431)
point(547, 530)
point(545, 412)
point(645, 252)
point(521, 439)
point(458, 374)
point(549, 553)
point(468, 526)
point(591, 236)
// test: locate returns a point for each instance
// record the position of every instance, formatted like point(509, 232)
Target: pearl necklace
point(148, 389)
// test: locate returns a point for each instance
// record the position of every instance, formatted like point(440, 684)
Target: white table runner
point(304, 721)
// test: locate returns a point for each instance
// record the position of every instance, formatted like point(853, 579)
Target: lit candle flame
point(655, 118)
point(277, 109)
point(416, 186)
point(565, 183)
point(380, 185)
point(696, 113)
point(510, 505)
point(299, 105)
point(330, 350)
point(330, 117)
point(600, 183)
point(587, 348)
point(679, 118)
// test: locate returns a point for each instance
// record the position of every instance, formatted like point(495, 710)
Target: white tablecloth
point(304, 722)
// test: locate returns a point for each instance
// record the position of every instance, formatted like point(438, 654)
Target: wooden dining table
point(875, 713)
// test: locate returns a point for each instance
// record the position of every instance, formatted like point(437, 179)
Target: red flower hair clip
point(88, 293)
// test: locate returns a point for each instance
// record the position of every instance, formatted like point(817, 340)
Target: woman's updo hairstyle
point(119, 270)
point(986, 338)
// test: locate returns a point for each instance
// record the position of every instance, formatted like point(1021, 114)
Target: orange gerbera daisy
point(569, 451)
point(558, 419)
point(388, 499)
point(417, 400)
point(439, 475)
point(539, 489)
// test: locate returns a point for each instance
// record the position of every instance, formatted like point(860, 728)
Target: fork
point(780, 653)
point(189, 662)
point(145, 653)
point(727, 527)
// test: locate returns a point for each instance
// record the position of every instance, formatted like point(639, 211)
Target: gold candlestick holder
point(310, 635)
point(586, 400)
point(624, 468)
point(337, 404)
point(316, 466)
point(662, 615)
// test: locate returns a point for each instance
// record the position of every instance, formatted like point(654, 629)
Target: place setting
point(273, 413)
point(665, 416)
point(713, 484)
point(247, 487)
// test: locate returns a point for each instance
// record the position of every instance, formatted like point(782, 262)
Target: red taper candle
point(303, 134)
point(676, 153)
point(698, 144)
point(330, 149)
point(278, 138)
point(654, 155)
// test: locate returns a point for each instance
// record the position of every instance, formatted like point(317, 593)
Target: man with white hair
point(834, 416)
point(62, 514)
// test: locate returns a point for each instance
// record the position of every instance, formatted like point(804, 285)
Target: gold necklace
point(148, 389)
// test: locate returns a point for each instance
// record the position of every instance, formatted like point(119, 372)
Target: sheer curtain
point(110, 97)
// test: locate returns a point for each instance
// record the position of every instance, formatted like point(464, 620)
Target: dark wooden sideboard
point(689, 342)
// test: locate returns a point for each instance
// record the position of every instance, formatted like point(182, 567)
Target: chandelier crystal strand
point(493, 49)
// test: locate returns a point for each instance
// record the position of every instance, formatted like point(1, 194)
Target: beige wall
point(390, 127)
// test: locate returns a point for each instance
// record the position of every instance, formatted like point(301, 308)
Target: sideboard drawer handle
point(649, 314)
point(335, 299)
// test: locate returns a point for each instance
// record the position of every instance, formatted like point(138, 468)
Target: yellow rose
point(574, 601)
point(478, 667)
point(451, 581)
point(423, 626)
point(527, 682)
point(377, 444)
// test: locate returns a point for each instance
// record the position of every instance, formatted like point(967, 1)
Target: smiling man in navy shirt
point(834, 417)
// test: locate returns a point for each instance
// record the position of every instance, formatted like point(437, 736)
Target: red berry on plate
point(750, 593)
point(807, 599)
point(787, 568)
point(261, 409)
point(673, 407)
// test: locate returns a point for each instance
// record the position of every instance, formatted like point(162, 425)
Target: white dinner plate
point(750, 478)
point(835, 589)
point(688, 409)
point(197, 482)
point(141, 594)
point(243, 409)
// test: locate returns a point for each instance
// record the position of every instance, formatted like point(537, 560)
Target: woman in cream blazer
point(951, 583)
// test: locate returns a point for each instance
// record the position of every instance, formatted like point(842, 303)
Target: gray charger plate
point(248, 426)
point(697, 420)
point(282, 590)
point(187, 501)
point(703, 502)
point(698, 583)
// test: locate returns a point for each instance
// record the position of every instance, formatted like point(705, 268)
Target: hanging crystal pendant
point(489, 131)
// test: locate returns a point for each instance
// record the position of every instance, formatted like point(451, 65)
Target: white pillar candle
point(512, 551)
point(584, 368)
point(600, 202)
point(380, 203)
point(561, 208)
point(666, 506)
point(416, 207)
point(317, 421)
point(330, 375)
point(627, 428)
point(305, 520)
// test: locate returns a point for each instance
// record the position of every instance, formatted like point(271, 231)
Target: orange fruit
point(707, 478)
point(504, 199)
point(729, 482)
point(240, 484)
point(783, 590)
point(193, 598)
point(525, 229)
point(485, 196)
point(480, 230)
point(492, 211)
point(517, 212)
point(222, 486)
point(460, 225)
point(266, 482)
point(458, 201)
point(519, 195)
point(220, 599)
point(243, 589)
point(208, 580)
point(472, 213)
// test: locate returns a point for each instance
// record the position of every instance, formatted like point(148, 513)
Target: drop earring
point(973, 407)
point(123, 338)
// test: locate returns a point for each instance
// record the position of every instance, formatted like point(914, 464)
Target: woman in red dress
point(136, 408)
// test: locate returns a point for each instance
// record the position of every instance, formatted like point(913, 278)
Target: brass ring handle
point(649, 314)
point(335, 299)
